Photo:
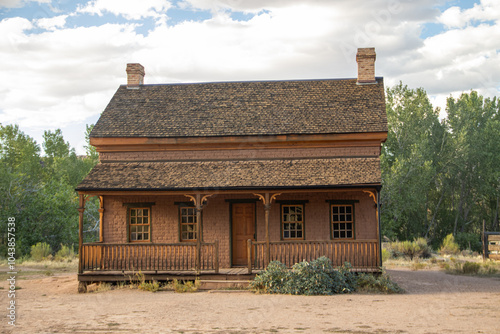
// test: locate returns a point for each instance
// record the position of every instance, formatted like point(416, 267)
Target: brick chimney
point(135, 75)
point(366, 65)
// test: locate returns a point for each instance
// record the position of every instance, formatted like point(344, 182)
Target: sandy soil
point(434, 303)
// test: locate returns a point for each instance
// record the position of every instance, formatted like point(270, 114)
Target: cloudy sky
point(61, 61)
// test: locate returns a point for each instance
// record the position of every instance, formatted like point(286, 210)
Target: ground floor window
point(188, 224)
point(342, 216)
point(139, 221)
point(292, 221)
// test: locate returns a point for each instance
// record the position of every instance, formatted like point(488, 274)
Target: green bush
point(470, 241)
point(317, 277)
point(65, 252)
point(386, 255)
point(188, 286)
point(382, 283)
point(40, 251)
point(273, 279)
point(149, 286)
point(471, 267)
point(449, 246)
point(417, 248)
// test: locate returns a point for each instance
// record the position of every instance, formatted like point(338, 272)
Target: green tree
point(411, 169)
point(54, 144)
point(474, 132)
point(39, 190)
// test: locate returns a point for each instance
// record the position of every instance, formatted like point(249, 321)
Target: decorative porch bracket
point(267, 200)
point(199, 203)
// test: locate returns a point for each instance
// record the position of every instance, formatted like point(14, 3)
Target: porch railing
point(361, 254)
point(149, 257)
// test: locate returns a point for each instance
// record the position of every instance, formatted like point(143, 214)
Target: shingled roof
point(244, 109)
point(227, 175)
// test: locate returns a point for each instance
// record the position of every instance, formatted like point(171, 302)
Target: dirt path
point(435, 303)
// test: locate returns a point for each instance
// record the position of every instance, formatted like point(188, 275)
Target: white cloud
point(487, 10)
point(67, 75)
point(130, 9)
point(52, 23)
point(19, 3)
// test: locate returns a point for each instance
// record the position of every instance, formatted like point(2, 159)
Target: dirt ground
point(435, 302)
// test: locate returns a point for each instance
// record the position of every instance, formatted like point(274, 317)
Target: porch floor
point(229, 274)
point(238, 273)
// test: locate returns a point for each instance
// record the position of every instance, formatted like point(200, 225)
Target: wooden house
point(224, 177)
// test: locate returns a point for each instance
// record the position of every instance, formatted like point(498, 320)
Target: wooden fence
point(149, 257)
point(361, 254)
point(491, 245)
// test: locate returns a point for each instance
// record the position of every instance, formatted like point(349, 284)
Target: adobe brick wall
point(216, 218)
point(318, 152)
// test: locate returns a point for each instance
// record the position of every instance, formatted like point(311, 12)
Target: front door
point(243, 228)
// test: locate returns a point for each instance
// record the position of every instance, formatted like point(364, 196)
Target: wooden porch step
point(223, 284)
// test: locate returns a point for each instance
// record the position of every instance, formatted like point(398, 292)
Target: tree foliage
point(439, 177)
point(38, 190)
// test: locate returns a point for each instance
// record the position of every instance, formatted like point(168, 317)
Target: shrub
point(411, 249)
point(40, 251)
point(188, 286)
point(64, 253)
point(382, 283)
point(449, 246)
point(149, 286)
point(469, 241)
point(317, 277)
point(271, 280)
point(471, 267)
point(385, 255)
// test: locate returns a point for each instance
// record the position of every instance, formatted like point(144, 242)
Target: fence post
point(249, 255)
point(484, 239)
point(216, 265)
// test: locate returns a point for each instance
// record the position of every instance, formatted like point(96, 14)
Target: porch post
point(199, 231)
point(81, 210)
point(101, 218)
point(267, 208)
point(198, 203)
point(266, 200)
point(379, 230)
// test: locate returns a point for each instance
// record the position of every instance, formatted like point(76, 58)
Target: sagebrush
point(317, 277)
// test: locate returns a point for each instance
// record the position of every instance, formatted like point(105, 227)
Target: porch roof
point(233, 175)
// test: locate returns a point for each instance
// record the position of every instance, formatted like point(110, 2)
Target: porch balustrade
point(363, 255)
point(149, 257)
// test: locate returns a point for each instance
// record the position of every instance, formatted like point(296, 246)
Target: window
point(292, 221)
point(139, 221)
point(188, 223)
point(342, 221)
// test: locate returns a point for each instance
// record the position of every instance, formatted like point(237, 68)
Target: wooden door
point(243, 228)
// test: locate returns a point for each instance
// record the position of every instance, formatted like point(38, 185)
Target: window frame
point(343, 203)
point(187, 206)
point(139, 206)
point(284, 204)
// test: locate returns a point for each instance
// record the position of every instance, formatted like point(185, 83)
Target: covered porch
point(250, 251)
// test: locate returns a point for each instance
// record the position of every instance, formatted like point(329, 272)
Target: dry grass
point(29, 269)
point(450, 264)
